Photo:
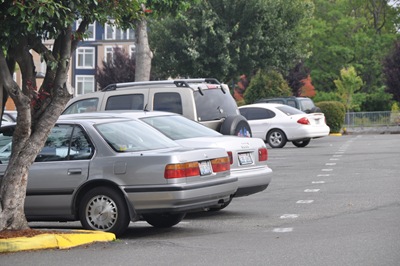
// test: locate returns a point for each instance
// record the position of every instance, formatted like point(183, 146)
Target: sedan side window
point(66, 142)
point(81, 148)
point(257, 113)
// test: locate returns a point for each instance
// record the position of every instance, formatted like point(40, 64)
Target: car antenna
point(145, 108)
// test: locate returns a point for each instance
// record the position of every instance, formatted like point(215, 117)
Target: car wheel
point(276, 138)
point(301, 143)
point(104, 209)
point(236, 125)
point(163, 220)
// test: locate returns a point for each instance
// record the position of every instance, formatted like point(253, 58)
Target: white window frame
point(83, 79)
point(85, 51)
point(132, 50)
point(124, 34)
point(91, 31)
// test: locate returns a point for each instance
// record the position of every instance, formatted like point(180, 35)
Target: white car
point(248, 156)
point(277, 124)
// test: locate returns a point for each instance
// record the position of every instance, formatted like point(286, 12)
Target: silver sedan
point(248, 156)
point(107, 172)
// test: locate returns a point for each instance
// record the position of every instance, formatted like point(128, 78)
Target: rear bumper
point(180, 197)
point(310, 133)
point(252, 180)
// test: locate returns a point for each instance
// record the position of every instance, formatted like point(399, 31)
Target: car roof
point(265, 105)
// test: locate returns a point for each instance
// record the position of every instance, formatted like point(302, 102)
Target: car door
point(259, 120)
point(60, 167)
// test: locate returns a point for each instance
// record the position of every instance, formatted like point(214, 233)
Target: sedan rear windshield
point(288, 110)
point(129, 136)
point(177, 127)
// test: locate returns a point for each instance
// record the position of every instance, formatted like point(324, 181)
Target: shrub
point(334, 114)
point(266, 84)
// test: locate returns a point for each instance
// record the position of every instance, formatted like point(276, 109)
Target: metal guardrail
point(372, 119)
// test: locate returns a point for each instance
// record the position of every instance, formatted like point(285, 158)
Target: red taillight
point(230, 157)
point(303, 121)
point(262, 154)
point(181, 170)
point(220, 164)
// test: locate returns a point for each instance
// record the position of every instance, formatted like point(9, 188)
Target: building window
point(132, 50)
point(113, 33)
point(90, 32)
point(84, 84)
point(85, 57)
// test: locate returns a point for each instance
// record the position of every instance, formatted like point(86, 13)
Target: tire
point(236, 125)
point(104, 209)
point(163, 220)
point(301, 143)
point(276, 138)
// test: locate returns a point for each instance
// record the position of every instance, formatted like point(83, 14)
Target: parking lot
point(335, 202)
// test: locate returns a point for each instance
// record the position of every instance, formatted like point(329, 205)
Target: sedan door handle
point(74, 171)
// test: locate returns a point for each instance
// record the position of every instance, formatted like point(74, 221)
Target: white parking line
point(304, 201)
point(330, 164)
point(283, 230)
point(323, 175)
point(289, 216)
point(327, 170)
point(312, 190)
point(333, 159)
point(337, 155)
point(318, 182)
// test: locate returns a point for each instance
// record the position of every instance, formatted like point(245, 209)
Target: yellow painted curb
point(61, 241)
point(335, 134)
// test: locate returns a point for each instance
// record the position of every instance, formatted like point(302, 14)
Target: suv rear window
point(214, 104)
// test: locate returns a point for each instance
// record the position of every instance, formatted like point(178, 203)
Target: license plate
point(205, 168)
point(245, 158)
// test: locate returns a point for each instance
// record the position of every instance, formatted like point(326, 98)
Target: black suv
point(205, 100)
point(302, 103)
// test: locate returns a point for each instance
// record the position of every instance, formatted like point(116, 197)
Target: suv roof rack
point(177, 82)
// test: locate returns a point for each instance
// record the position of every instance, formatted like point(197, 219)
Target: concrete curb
point(61, 241)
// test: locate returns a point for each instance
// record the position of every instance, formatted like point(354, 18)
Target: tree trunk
point(34, 122)
point(143, 52)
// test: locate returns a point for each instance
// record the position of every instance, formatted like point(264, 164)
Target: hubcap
point(101, 212)
point(276, 138)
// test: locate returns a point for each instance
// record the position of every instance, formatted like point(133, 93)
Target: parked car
point(205, 100)
point(107, 172)
point(9, 116)
point(304, 104)
point(278, 123)
point(248, 156)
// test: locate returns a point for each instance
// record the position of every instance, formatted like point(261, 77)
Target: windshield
point(178, 127)
point(214, 104)
point(288, 110)
point(128, 136)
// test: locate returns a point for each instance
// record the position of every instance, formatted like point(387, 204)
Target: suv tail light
point(182, 170)
point(262, 154)
point(303, 121)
